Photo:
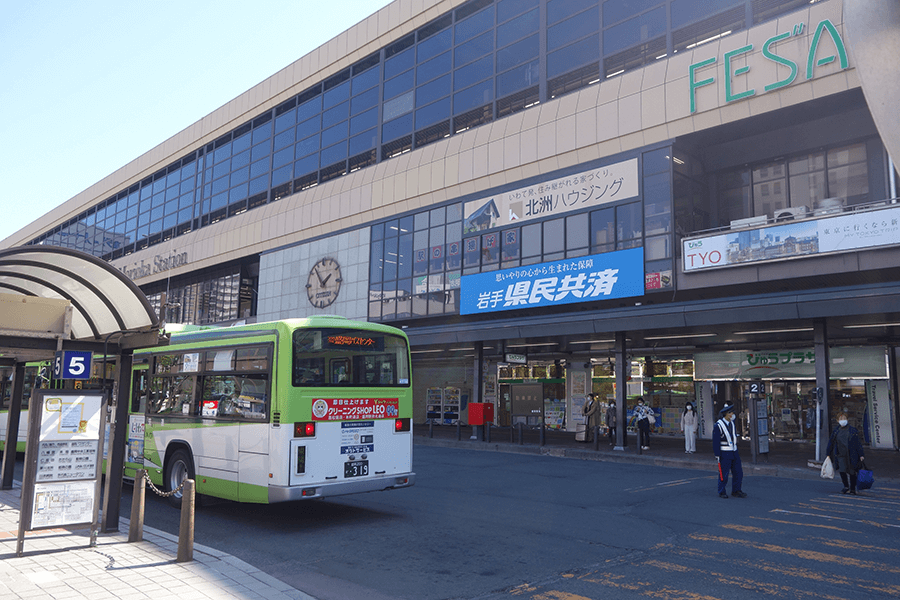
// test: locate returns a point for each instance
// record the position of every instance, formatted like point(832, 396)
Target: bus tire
point(178, 468)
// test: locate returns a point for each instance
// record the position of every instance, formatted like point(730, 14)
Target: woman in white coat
point(689, 424)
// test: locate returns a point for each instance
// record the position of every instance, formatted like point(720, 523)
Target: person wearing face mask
point(611, 422)
point(591, 411)
point(689, 428)
point(724, 441)
point(643, 414)
point(846, 452)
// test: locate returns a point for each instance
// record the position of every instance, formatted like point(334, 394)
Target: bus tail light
point(401, 424)
point(304, 429)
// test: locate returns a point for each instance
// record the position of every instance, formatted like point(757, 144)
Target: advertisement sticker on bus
point(352, 409)
point(357, 437)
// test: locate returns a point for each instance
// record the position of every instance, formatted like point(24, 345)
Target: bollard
point(596, 437)
point(431, 428)
point(521, 428)
point(136, 528)
point(458, 430)
point(512, 433)
point(186, 527)
point(487, 432)
point(543, 439)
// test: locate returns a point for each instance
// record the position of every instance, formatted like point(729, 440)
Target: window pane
point(364, 101)
point(554, 236)
point(471, 252)
point(334, 134)
point(336, 95)
point(518, 78)
point(517, 28)
point(511, 244)
point(476, 48)
point(310, 144)
point(613, 12)
point(850, 182)
point(432, 91)
point(490, 248)
point(807, 188)
point(603, 230)
point(434, 67)
point(846, 155)
point(433, 113)
point(309, 108)
point(510, 8)
point(334, 154)
point(577, 231)
point(472, 73)
point(399, 84)
point(531, 240)
point(475, 96)
point(634, 31)
point(366, 80)
point(396, 128)
point(404, 256)
point(570, 57)
point(399, 63)
point(335, 115)
point(433, 46)
point(474, 25)
point(628, 221)
point(517, 53)
point(363, 141)
point(573, 28)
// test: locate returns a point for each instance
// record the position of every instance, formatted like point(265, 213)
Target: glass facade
point(481, 61)
point(417, 260)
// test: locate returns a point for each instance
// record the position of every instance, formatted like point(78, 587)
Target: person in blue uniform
point(724, 441)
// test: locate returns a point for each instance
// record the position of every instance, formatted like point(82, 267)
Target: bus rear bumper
point(341, 488)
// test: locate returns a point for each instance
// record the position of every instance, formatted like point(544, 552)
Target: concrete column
point(12, 427)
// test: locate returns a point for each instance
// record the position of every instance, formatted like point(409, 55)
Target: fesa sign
point(354, 409)
point(824, 31)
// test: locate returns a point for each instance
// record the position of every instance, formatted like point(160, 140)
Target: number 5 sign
point(71, 364)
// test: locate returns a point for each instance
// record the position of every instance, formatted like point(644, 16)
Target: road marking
point(834, 518)
point(663, 484)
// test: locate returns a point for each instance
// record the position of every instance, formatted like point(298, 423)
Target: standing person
point(846, 452)
point(643, 414)
point(591, 412)
point(689, 424)
point(724, 441)
point(611, 422)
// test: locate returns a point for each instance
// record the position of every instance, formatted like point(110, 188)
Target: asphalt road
point(488, 525)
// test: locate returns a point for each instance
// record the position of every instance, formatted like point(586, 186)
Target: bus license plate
point(356, 468)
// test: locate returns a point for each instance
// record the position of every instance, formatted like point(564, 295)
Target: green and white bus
point(274, 412)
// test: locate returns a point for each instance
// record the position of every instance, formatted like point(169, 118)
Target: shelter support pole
point(115, 461)
point(12, 427)
point(823, 375)
point(477, 387)
point(621, 389)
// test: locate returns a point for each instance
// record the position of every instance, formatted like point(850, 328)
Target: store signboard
point(846, 363)
point(618, 181)
point(583, 279)
point(879, 407)
point(841, 233)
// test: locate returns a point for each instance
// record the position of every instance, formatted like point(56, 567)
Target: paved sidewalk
point(58, 564)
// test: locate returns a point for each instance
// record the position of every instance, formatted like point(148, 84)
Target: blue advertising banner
point(583, 279)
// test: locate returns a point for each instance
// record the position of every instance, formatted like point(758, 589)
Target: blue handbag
point(864, 478)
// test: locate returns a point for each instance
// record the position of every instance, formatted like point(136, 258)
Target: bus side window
point(340, 371)
point(139, 392)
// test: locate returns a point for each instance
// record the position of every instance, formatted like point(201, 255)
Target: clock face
point(324, 283)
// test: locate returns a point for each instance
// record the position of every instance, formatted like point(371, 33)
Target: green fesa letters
point(826, 39)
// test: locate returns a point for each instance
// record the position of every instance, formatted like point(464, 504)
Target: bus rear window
point(349, 358)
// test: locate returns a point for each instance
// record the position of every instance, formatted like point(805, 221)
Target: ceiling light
point(772, 331)
point(459, 349)
point(593, 342)
point(424, 351)
point(872, 325)
point(676, 337)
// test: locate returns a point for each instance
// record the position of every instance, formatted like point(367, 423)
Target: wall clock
point(324, 283)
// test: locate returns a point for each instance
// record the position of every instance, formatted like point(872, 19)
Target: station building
point(678, 199)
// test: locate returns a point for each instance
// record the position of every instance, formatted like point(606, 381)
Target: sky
point(86, 87)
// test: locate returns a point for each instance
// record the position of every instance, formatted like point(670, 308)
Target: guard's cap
point(730, 407)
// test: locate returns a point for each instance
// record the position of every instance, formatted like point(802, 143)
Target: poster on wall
point(703, 395)
point(579, 383)
point(879, 413)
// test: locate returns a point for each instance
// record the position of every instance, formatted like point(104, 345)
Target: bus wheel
point(180, 467)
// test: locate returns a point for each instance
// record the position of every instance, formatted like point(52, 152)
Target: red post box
point(481, 413)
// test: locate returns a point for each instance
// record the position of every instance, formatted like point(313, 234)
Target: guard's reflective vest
point(728, 440)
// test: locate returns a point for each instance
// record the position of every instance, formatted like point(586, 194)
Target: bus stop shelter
point(56, 299)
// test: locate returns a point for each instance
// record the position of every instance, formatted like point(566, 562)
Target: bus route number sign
point(72, 364)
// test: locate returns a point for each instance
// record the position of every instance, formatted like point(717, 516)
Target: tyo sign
point(825, 30)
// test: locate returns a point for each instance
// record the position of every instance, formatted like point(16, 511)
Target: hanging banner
point(879, 409)
point(594, 187)
point(846, 363)
point(704, 399)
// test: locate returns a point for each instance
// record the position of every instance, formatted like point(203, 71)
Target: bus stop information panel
point(62, 464)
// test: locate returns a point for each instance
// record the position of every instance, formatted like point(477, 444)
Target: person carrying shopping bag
point(846, 453)
point(689, 424)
